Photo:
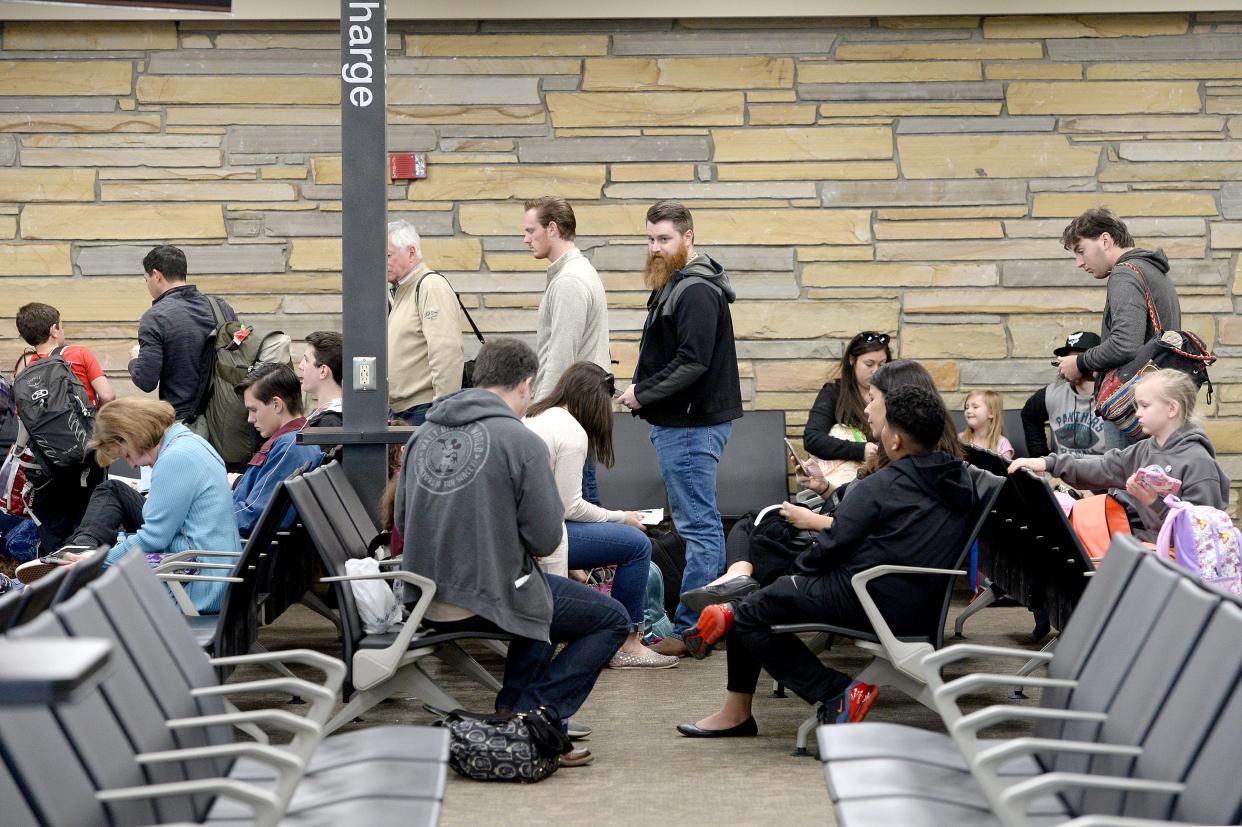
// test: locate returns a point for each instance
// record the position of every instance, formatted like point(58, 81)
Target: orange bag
point(1095, 520)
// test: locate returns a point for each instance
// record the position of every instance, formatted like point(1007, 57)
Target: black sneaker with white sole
point(32, 570)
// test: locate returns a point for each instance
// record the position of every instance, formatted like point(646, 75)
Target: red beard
point(660, 270)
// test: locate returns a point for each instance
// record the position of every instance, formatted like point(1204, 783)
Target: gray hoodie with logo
point(1186, 455)
point(476, 503)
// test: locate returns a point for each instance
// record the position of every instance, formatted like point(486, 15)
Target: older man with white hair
point(425, 355)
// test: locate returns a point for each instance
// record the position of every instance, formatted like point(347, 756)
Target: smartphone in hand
point(802, 467)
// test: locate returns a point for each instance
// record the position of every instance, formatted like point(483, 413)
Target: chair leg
point(498, 646)
point(313, 602)
point(1031, 665)
point(409, 679)
point(804, 732)
point(987, 598)
point(459, 659)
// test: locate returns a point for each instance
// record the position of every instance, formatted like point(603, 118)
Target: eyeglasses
point(882, 338)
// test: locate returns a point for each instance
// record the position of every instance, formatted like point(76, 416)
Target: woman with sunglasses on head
point(575, 420)
point(837, 427)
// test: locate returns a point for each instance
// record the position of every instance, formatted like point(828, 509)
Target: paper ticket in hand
point(651, 516)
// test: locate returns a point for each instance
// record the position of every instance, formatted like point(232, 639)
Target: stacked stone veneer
point(911, 175)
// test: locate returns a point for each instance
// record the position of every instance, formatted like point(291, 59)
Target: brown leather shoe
point(672, 646)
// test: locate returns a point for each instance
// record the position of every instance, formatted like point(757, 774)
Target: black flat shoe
point(745, 729)
point(733, 589)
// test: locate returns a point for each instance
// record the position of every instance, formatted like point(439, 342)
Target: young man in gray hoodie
point(1102, 246)
point(477, 504)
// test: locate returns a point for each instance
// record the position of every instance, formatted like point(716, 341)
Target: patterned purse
point(523, 746)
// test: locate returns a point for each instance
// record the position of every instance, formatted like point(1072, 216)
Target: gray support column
point(364, 240)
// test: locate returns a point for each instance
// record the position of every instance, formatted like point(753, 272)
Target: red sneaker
point(714, 623)
point(861, 698)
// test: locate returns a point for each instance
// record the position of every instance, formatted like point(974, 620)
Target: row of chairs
point(1137, 726)
point(150, 740)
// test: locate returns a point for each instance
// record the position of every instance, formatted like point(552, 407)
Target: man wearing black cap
point(1068, 407)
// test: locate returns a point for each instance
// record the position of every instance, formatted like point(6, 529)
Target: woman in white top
point(576, 420)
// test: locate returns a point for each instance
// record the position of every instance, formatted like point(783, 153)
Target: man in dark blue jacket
point(915, 511)
point(172, 352)
point(686, 385)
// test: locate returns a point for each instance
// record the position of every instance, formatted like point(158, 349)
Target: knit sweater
point(189, 507)
point(573, 320)
point(425, 354)
point(567, 446)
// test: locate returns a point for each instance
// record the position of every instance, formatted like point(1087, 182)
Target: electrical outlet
point(364, 373)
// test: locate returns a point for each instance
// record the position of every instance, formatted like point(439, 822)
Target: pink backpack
point(1204, 541)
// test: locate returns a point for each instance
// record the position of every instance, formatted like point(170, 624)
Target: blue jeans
point(593, 627)
point(590, 488)
point(416, 415)
point(688, 458)
point(607, 544)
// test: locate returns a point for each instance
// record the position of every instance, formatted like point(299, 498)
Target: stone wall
point(908, 174)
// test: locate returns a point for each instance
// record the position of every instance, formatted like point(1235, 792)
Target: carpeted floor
point(644, 772)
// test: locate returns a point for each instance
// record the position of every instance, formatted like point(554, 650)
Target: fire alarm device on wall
point(406, 166)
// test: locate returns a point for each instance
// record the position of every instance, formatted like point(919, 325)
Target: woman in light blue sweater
point(190, 505)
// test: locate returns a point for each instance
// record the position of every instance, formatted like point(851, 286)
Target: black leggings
point(771, 550)
point(61, 502)
point(113, 507)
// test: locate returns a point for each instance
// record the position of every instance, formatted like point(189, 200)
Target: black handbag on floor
point(522, 746)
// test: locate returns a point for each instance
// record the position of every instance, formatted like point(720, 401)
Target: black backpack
point(57, 413)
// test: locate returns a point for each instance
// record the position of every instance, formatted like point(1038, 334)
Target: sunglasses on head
point(610, 382)
point(882, 338)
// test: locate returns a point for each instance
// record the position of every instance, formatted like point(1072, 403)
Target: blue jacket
point(189, 507)
point(257, 484)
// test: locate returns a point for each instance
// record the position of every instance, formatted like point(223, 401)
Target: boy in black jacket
point(914, 512)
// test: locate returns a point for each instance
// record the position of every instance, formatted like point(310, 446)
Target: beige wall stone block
point(675, 73)
point(1128, 204)
point(962, 341)
point(1237, 279)
point(1175, 247)
point(1180, 151)
point(1172, 171)
point(940, 51)
point(19, 78)
point(1101, 97)
point(1142, 125)
point(198, 140)
point(311, 304)
point(489, 66)
point(840, 293)
point(1164, 71)
point(466, 115)
point(811, 320)
point(808, 144)
point(1227, 236)
point(277, 284)
point(776, 115)
point(282, 89)
point(772, 96)
point(94, 35)
point(8, 226)
point(197, 191)
point(78, 122)
point(514, 263)
point(249, 115)
point(326, 169)
point(679, 109)
point(506, 45)
point(1231, 331)
point(968, 250)
point(243, 305)
point(109, 157)
point(447, 254)
point(775, 401)
point(1033, 71)
point(651, 172)
point(801, 226)
point(515, 181)
point(899, 275)
point(897, 109)
point(593, 219)
point(947, 21)
point(96, 221)
point(1035, 337)
point(25, 185)
point(284, 173)
point(807, 171)
point(906, 71)
point(994, 156)
point(1226, 435)
point(938, 229)
point(1027, 26)
point(97, 299)
point(34, 260)
point(919, 213)
point(1004, 300)
point(855, 252)
point(787, 376)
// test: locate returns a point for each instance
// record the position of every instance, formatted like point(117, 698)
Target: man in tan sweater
point(573, 313)
point(425, 355)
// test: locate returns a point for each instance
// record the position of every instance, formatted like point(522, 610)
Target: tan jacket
point(424, 340)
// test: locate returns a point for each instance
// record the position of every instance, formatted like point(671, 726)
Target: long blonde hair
point(134, 422)
point(995, 404)
point(1175, 387)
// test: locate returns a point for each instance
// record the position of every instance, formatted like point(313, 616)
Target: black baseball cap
point(1077, 341)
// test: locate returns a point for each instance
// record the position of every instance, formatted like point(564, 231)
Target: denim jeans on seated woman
point(608, 544)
